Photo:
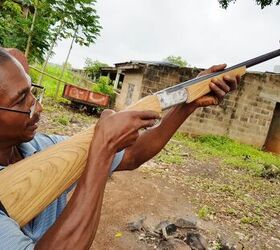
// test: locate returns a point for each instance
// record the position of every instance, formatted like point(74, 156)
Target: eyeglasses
point(38, 92)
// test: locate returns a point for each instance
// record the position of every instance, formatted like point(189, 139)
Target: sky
point(197, 30)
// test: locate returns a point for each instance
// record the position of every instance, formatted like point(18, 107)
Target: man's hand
point(120, 129)
point(219, 87)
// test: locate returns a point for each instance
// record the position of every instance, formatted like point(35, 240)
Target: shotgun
point(29, 186)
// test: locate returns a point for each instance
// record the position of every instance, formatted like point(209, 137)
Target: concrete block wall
point(244, 115)
point(156, 78)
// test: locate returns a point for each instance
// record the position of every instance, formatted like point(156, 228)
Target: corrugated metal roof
point(157, 63)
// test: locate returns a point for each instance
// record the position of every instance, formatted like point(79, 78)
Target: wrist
point(190, 107)
point(99, 161)
point(101, 144)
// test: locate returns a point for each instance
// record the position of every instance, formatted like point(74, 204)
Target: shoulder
point(42, 141)
point(47, 140)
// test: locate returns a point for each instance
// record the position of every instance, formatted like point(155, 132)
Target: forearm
point(78, 223)
point(153, 140)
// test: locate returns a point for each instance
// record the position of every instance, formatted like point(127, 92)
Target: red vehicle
point(84, 98)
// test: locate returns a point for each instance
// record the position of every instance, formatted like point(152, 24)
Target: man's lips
point(33, 123)
point(33, 127)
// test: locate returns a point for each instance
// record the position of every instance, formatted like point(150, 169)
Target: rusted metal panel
point(78, 94)
point(102, 100)
point(272, 143)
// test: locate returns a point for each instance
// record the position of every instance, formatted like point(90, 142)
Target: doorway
point(272, 143)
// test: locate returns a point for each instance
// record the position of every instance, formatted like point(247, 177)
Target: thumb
point(216, 68)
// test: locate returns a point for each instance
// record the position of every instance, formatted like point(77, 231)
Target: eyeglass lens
point(37, 93)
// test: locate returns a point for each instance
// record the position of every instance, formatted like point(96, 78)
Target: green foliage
point(255, 220)
point(172, 154)
point(217, 245)
point(263, 3)
point(76, 18)
point(54, 20)
point(93, 68)
point(50, 83)
point(63, 120)
point(12, 24)
point(15, 28)
point(103, 86)
point(234, 153)
point(232, 211)
point(177, 60)
point(205, 212)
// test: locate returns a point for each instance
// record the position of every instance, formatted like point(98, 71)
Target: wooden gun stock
point(29, 186)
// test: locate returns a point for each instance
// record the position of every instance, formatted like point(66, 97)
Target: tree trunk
point(65, 64)
point(28, 45)
point(49, 53)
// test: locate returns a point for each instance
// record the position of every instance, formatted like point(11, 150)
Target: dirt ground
point(240, 208)
point(131, 195)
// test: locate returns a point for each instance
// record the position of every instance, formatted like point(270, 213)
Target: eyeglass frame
point(33, 107)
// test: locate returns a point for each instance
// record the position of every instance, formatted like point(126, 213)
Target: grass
point(205, 212)
point(243, 196)
point(233, 153)
point(51, 84)
point(172, 154)
point(63, 120)
point(251, 220)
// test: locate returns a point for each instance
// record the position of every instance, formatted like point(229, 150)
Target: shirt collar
point(26, 149)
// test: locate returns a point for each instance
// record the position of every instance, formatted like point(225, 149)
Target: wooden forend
point(202, 88)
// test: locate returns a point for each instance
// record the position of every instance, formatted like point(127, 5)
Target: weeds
point(256, 221)
point(205, 212)
point(63, 120)
point(233, 153)
point(172, 154)
point(50, 83)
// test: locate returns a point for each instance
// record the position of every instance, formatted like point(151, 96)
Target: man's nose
point(39, 107)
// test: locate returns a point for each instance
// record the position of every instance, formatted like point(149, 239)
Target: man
point(116, 144)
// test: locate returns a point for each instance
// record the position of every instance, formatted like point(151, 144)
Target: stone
point(137, 225)
point(189, 223)
point(170, 229)
point(161, 225)
point(196, 241)
point(171, 244)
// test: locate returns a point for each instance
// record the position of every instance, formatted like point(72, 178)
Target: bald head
point(11, 72)
point(4, 56)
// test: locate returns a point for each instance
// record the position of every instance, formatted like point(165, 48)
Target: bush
point(103, 86)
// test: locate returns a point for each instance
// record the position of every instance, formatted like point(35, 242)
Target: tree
point(177, 60)
point(263, 3)
point(93, 68)
point(75, 18)
point(12, 24)
point(18, 27)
